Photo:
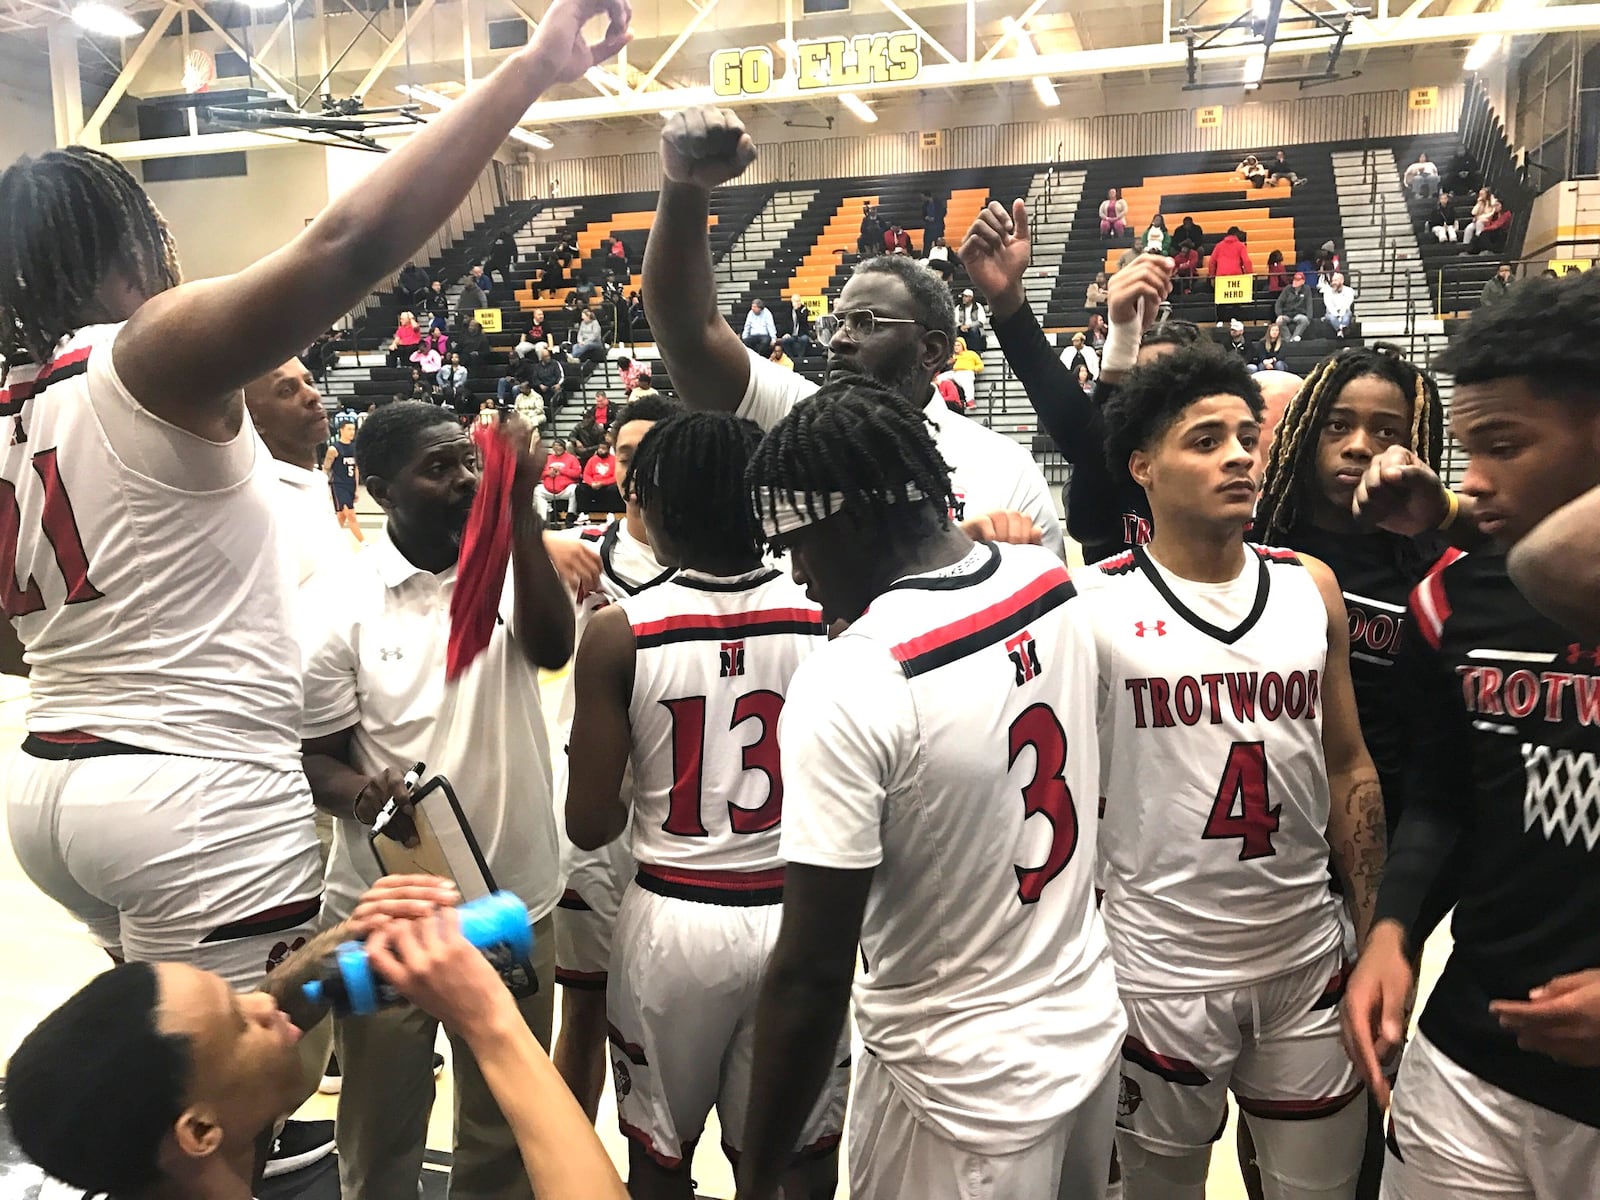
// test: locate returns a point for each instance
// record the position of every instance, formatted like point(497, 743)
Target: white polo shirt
point(316, 539)
point(375, 630)
point(988, 471)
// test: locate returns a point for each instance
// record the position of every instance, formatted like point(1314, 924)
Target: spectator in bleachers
point(1082, 378)
point(602, 413)
point(760, 331)
point(1293, 307)
point(429, 356)
point(1230, 258)
point(617, 257)
point(939, 259)
point(1277, 273)
point(932, 220)
point(1080, 352)
point(1267, 354)
point(797, 343)
point(472, 345)
point(1113, 215)
point(1497, 288)
point(528, 406)
point(636, 316)
point(1126, 257)
point(1156, 238)
point(871, 240)
point(600, 473)
point(1548, 273)
point(452, 385)
point(965, 366)
point(1188, 231)
point(1186, 266)
point(412, 285)
point(1280, 169)
point(1235, 345)
point(589, 347)
point(406, 336)
point(470, 298)
point(501, 256)
point(1441, 219)
point(972, 322)
point(481, 281)
point(1493, 232)
point(583, 291)
point(551, 274)
point(488, 414)
point(1252, 172)
point(1098, 331)
point(782, 359)
point(635, 376)
point(1421, 179)
point(1095, 295)
point(566, 249)
point(437, 305)
point(535, 334)
point(1327, 260)
point(896, 240)
point(519, 372)
point(1484, 207)
point(547, 377)
point(560, 479)
point(421, 388)
point(1338, 303)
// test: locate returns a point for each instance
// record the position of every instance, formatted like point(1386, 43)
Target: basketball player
point(896, 326)
point(339, 463)
point(1231, 763)
point(1499, 1094)
point(186, 1073)
point(596, 878)
point(686, 681)
point(160, 798)
point(940, 766)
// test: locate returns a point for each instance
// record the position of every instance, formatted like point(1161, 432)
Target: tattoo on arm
point(1361, 853)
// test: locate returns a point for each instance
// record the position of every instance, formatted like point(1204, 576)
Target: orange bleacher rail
point(589, 240)
point(1263, 232)
point(963, 209)
point(842, 232)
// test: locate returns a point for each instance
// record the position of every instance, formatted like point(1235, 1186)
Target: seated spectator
point(939, 259)
point(600, 413)
point(519, 372)
point(1327, 259)
point(972, 322)
point(1421, 179)
point(760, 331)
point(1096, 295)
point(1190, 232)
point(1081, 352)
point(617, 258)
point(437, 305)
point(797, 344)
point(1156, 238)
point(406, 336)
point(1267, 354)
point(1338, 303)
point(528, 406)
point(1498, 287)
point(896, 240)
point(488, 414)
point(1113, 215)
point(600, 472)
point(559, 483)
point(472, 345)
point(552, 274)
point(636, 317)
point(870, 241)
point(635, 375)
point(583, 292)
point(586, 435)
point(1440, 220)
point(1185, 266)
point(412, 285)
point(965, 365)
point(421, 387)
point(1252, 172)
point(589, 347)
point(782, 359)
point(478, 279)
point(1493, 233)
point(1277, 273)
point(536, 334)
point(429, 356)
point(1293, 307)
point(1280, 169)
point(452, 386)
point(1235, 345)
point(1098, 331)
point(566, 249)
point(950, 392)
point(547, 378)
point(1484, 207)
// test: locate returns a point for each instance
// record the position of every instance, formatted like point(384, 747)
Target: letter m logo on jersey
point(732, 659)
point(1024, 654)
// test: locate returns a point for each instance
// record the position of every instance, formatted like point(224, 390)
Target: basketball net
point(199, 70)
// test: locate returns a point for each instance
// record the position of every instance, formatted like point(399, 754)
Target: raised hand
point(1136, 292)
point(1401, 493)
point(561, 45)
point(995, 252)
point(704, 147)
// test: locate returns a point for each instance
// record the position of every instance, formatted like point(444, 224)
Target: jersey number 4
point(19, 597)
point(684, 817)
point(1045, 794)
point(1241, 809)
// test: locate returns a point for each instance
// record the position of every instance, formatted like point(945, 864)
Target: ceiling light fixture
point(1254, 68)
point(1046, 92)
point(855, 104)
point(93, 16)
point(537, 140)
point(1482, 52)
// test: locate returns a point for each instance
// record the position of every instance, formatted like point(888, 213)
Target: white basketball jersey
point(1214, 787)
point(713, 659)
point(987, 990)
point(154, 608)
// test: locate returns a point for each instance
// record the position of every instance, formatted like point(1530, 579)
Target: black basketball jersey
point(1505, 711)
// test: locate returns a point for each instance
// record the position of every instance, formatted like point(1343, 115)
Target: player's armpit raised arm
point(186, 351)
point(1557, 566)
point(1356, 828)
point(602, 732)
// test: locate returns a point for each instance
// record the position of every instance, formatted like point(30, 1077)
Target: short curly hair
point(1149, 401)
point(930, 298)
point(1545, 330)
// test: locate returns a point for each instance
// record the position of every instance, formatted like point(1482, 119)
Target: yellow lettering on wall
point(811, 62)
point(905, 56)
point(726, 72)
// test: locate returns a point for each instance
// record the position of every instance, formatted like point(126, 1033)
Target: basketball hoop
point(198, 71)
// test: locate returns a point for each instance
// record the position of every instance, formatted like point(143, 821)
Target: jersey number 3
point(684, 817)
point(19, 597)
point(1241, 809)
point(1046, 793)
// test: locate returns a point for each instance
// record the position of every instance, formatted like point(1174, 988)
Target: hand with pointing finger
point(996, 251)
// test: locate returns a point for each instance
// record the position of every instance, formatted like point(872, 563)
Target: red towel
point(485, 554)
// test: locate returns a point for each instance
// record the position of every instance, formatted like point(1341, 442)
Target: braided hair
point(68, 218)
point(1292, 463)
point(688, 474)
point(858, 438)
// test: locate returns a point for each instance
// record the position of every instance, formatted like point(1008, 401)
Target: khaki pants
point(387, 1092)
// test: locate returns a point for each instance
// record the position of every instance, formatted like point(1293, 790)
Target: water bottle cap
point(312, 991)
point(498, 919)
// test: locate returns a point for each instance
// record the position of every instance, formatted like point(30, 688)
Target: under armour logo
point(1024, 655)
point(391, 653)
point(1159, 629)
point(1576, 653)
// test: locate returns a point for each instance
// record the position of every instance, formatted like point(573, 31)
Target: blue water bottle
point(496, 924)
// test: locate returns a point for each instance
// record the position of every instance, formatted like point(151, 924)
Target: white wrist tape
point(1121, 350)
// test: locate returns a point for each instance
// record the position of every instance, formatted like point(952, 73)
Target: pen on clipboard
point(388, 811)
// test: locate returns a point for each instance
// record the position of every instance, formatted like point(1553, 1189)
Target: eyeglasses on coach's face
point(860, 323)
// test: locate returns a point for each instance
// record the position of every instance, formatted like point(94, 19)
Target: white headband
point(786, 516)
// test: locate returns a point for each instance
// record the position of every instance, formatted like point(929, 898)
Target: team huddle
point(1079, 853)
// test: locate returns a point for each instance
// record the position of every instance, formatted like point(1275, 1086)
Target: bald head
point(1277, 389)
point(287, 410)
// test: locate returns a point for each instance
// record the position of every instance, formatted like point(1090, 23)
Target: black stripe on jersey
point(676, 890)
point(946, 583)
point(727, 633)
point(572, 902)
point(1173, 1070)
point(1226, 636)
point(1117, 564)
point(737, 585)
point(608, 544)
point(1389, 1139)
point(273, 920)
point(971, 643)
point(13, 403)
point(1275, 554)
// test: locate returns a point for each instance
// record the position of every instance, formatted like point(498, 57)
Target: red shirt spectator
point(895, 238)
point(601, 470)
point(1186, 261)
point(561, 471)
point(1230, 257)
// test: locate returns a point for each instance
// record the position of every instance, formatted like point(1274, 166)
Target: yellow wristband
point(1452, 509)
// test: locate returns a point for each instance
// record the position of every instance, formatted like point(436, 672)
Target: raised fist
point(704, 147)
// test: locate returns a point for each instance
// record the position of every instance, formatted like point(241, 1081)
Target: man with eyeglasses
point(896, 325)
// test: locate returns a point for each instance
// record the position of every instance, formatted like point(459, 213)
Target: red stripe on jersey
point(23, 389)
point(1449, 556)
point(69, 737)
point(1431, 608)
point(1173, 1070)
point(633, 1050)
point(665, 1162)
point(703, 621)
point(1273, 554)
point(1116, 562)
point(981, 620)
point(724, 881)
point(1296, 1110)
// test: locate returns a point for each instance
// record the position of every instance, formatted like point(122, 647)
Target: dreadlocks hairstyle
point(1171, 333)
point(1153, 396)
point(688, 473)
point(67, 219)
point(857, 438)
point(1546, 330)
point(930, 298)
point(1291, 465)
point(388, 438)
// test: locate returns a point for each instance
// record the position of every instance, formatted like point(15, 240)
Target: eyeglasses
point(861, 322)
